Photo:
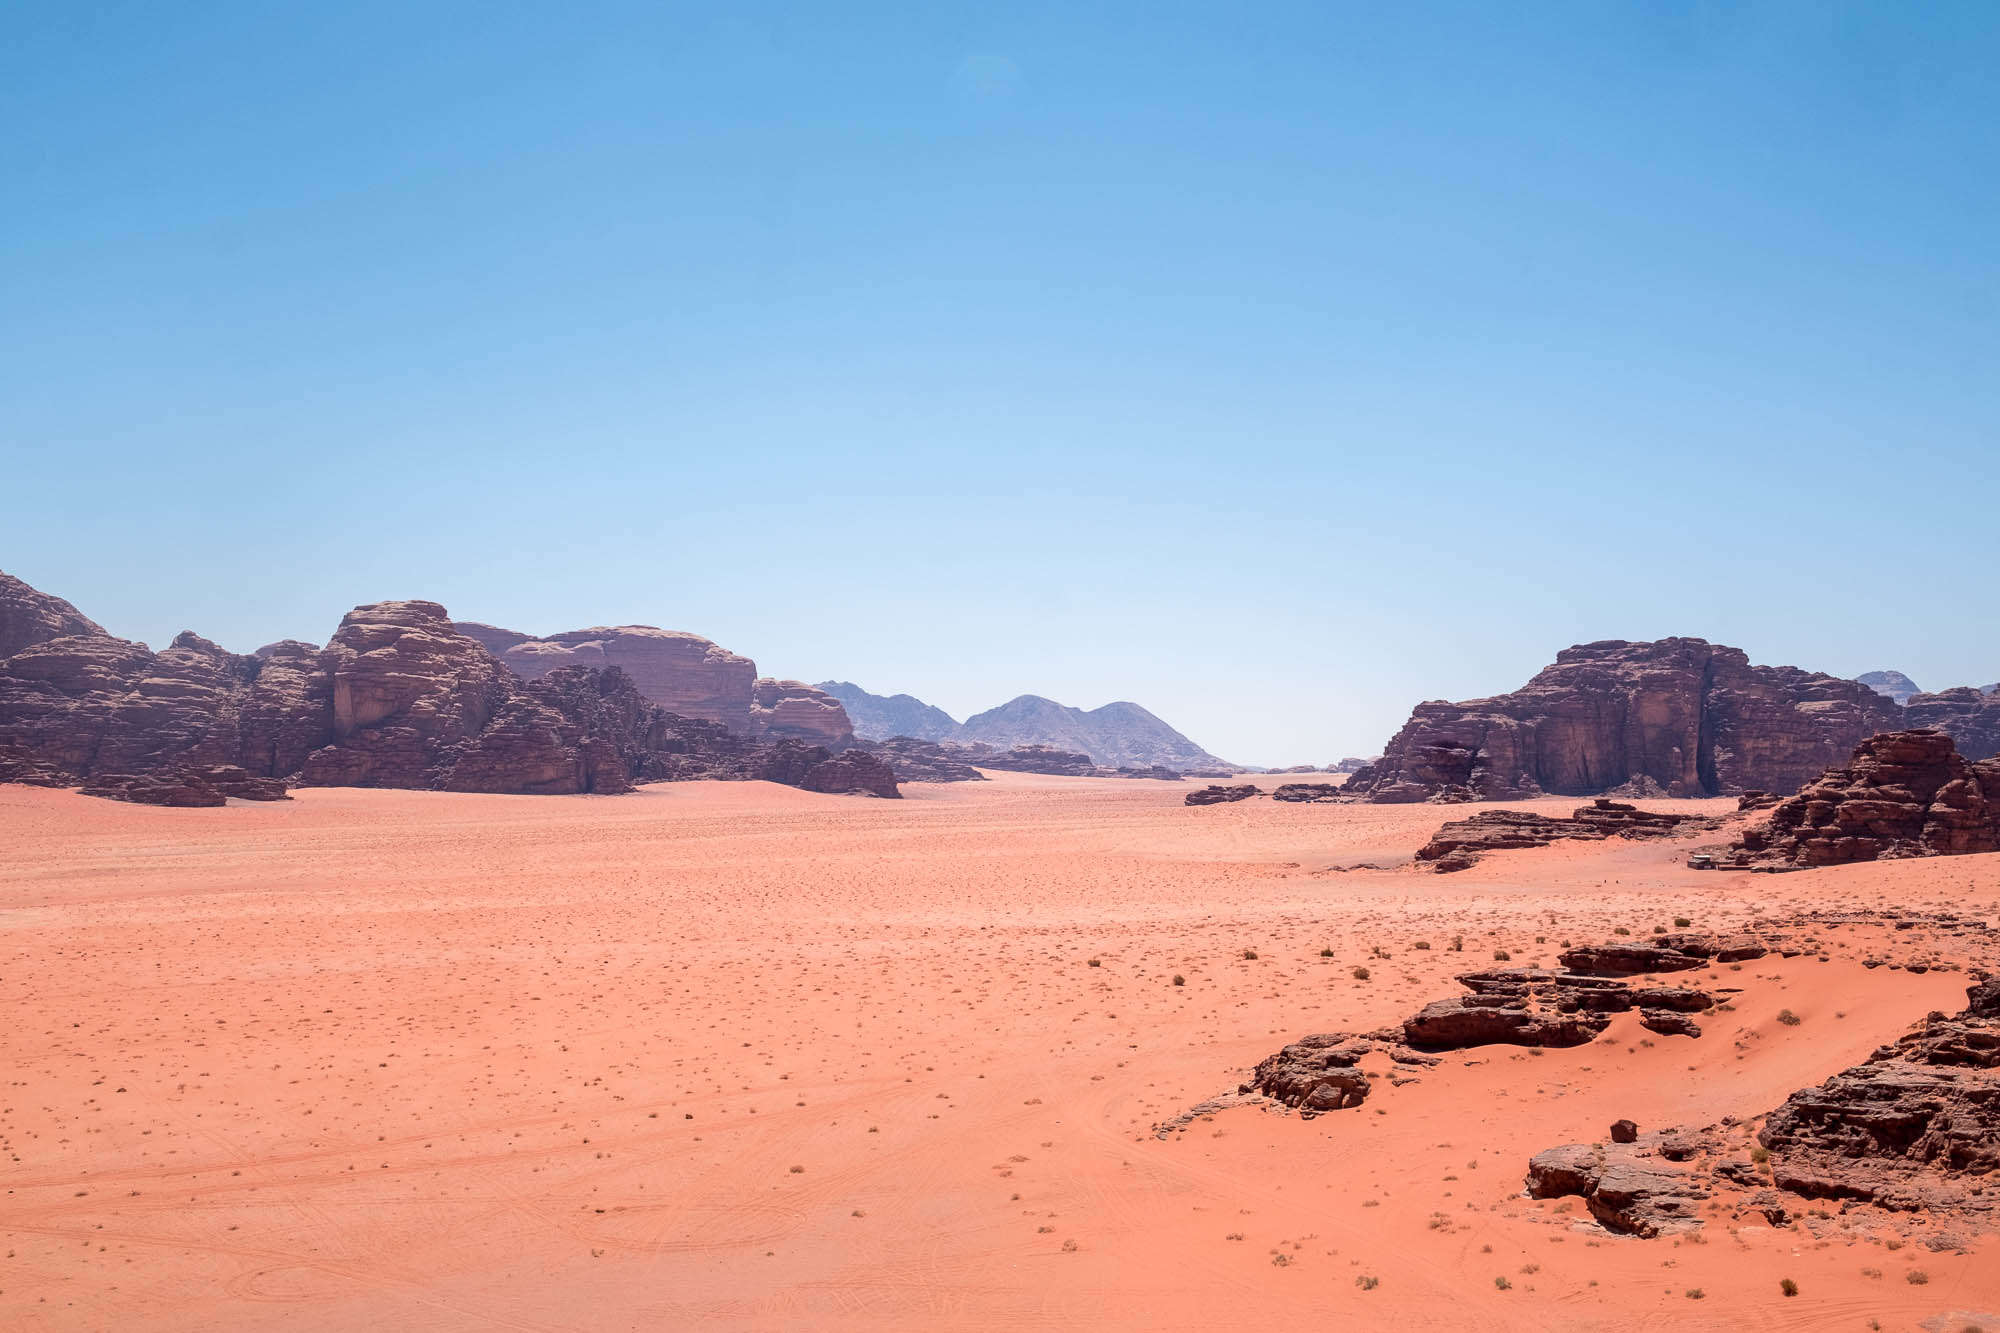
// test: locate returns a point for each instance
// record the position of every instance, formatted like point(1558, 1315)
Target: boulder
point(1626, 1186)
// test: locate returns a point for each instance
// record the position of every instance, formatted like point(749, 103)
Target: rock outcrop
point(1971, 717)
point(1525, 1006)
point(1629, 1187)
point(1683, 717)
point(922, 761)
point(1305, 793)
point(1046, 759)
point(683, 673)
point(397, 698)
point(1460, 843)
point(792, 708)
point(29, 616)
point(1901, 794)
point(1915, 1126)
point(1213, 795)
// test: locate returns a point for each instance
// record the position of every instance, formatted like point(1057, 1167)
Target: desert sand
point(737, 1056)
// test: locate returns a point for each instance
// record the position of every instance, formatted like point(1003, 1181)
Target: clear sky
point(1274, 366)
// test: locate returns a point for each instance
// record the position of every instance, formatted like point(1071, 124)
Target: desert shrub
point(1179, 980)
point(1789, 1287)
point(1788, 1018)
point(1361, 974)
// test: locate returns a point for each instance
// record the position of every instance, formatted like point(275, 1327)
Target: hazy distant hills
point(1892, 683)
point(877, 717)
point(1118, 735)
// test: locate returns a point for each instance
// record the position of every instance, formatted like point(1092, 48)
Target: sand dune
point(733, 1055)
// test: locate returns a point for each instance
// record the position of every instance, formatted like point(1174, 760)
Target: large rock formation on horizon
point(1118, 735)
point(879, 717)
point(1893, 684)
point(1676, 717)
point(397, 698)
point(684, 673)
point(1970, 716)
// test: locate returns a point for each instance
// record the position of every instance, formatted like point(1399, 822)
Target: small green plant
point(1502, 1283)
point(1788, 1018)
point(1621, 931)
point(1760, 1154)
point(1360, 974)
point(1789, 1287)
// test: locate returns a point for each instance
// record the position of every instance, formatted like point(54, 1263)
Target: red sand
point(738, 1056)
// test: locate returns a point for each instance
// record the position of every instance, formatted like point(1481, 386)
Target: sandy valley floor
point(738, 1056)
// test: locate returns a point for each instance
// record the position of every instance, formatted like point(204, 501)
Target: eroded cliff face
point(1970, 716)
point(1675, 717)
point(397, 698)
point(780, 708)
point(683, 673)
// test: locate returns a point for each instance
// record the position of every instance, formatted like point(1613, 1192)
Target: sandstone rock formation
point(683, 673)
point(1222, 795)
point(792, 708)
point(29, 616)
point(1917, 1125)
point(1526, 1006)
point(1905, 793)
point(1301, 793)
point(1890, 684)
point(1626, 1186)
point(1971, 717)
point(397, 698)
point(1460, 843)
point(855, 772)
point(922, 761)
point(1691, 717)
point(1032, 759)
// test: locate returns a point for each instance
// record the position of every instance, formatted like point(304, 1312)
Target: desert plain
point(738, 1056)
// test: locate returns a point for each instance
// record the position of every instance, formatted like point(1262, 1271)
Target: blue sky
point(1274, 366)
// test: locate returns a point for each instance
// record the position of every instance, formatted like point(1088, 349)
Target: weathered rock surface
point(794, 709)
point(29, 616)
point(1901, 794)
point(1691, 717)
point(683, 673)
point(1527, 1006)
point(397, 698)
point(1971, 717)
point(1222, 795)
point(1300, 793)
point(1628, 1187)
point(1459, 844)
point(1032, 759)
point(855, 772)
point(916, 760)
point(1321, 1072)
point(1915, 1126)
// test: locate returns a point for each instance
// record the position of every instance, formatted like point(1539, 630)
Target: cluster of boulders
point(397, 698)
point(1459, 844)
point(1901, 794)
point(1676, 717)
point(1520, 1006)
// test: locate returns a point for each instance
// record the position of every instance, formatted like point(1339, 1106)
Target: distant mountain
point(1892, 683)
point(1118, 735)
point(877, 717)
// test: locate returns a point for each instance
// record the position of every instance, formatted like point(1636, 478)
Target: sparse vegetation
point(1179, 980)
point(1502, 956)
point(1788, 1018)
point(1249, 955)
point(1360, 974)
point(1095, 963)
point(1789, 1287)
point(1682, 922)
point(1502, 1283)
point(1367, 1283)
point(1917, 1277)
point(1326, 953)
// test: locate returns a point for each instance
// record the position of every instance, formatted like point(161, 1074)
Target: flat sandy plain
point(738, 1056)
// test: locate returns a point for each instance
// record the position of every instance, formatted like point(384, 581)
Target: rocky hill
point(397, 698)
point(878, 717)
point(1118, 735)
point(684, 673)
point(1894, 684)
point(1676, 717)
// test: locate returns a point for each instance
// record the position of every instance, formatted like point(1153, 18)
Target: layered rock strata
point(1682, 717)
point(1459, 844)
